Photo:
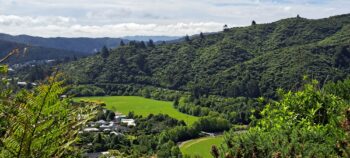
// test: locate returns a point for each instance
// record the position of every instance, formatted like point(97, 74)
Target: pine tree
point(104, 52)
point(201, 35)
point(122, 43)
point(253, 22)
point(225, 28)
point(187, 38)
point(150, 43)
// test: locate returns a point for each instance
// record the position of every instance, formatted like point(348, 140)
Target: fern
point(39, 123)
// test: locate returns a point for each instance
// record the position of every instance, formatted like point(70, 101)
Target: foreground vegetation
point(312, 122)
point(37, 122)
point(142, 106)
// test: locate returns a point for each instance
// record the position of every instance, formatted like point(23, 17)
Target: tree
point(131, 114)
point(201, 35)
point(225, 28)
point(215, 151)
point(122, 43)
point(146, 93)
point(253, 23)
point(104, 52)
point(176, 103)
point(150, 43)
point(187, 38)
point(342, 56)
point(175, 152)
point(141, 44)
point(110, 116)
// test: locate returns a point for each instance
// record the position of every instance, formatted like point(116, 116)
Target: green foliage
point(246, 61)
point(306, 123)
point(212, 124)
point(153, 124)
point(169, 150)
point(236, 110)
point(39, 124)
point(178, 134)
point(84, 90)
point(104, 52)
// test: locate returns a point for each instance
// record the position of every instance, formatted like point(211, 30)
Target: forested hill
point(243, 61)
point(35, 53)
point(82, 45)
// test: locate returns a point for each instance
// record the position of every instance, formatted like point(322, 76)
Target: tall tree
point(150, 43)
point(201, 35)
point(122, 43)
point(104, 52)
point(187, 38)
point(225, 28)
point(253, 22)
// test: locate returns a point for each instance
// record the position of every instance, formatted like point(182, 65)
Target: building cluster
point(118, 126)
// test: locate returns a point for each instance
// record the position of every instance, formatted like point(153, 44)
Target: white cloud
point(96, 18)
point(64, 26)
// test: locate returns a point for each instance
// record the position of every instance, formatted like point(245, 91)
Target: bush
point(307, 123)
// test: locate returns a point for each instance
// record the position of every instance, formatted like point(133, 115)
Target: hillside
point(83, 45)
point(154, 38)
point(246, 61)
point(35, 53)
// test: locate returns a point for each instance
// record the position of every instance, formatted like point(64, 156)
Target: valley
point(277, 89)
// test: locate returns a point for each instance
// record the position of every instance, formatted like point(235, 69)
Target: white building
point(129, 122)
point(22, 83)
point(91, 130)
point(118, 118)
point(102, 122)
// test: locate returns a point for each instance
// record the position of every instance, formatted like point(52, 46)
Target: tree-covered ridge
point(36, 53)
point(246, 61)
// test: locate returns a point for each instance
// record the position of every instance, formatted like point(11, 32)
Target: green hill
point(244, 61)
point(35, 53)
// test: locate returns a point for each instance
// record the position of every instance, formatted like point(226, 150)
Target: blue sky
point(116, 18)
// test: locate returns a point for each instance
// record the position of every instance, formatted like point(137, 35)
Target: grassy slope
point(201, 146)
point(143, 106)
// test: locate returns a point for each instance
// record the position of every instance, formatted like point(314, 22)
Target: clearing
point(142, 106)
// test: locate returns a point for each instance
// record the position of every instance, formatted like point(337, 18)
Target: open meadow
point(142, 106)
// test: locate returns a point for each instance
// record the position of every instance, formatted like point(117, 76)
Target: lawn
point(201, 146)
point(142, 106)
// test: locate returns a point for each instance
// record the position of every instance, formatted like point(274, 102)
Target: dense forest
point(34, 54)
point(220, 74)
point(246, 61)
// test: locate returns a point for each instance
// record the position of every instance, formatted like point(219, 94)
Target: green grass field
point(142, 106)
point(201, 146)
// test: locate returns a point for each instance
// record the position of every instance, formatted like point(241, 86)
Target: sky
point(118, 18)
